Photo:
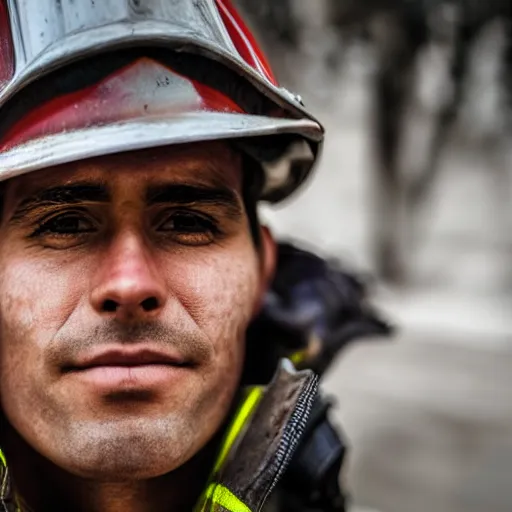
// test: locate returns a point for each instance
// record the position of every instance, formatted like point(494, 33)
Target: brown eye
point(189, 228)
point(65, 225)
point(187, 223)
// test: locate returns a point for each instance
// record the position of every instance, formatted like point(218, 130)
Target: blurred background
point(414, 189)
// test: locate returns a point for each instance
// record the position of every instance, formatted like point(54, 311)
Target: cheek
point(219, 292)
point(36, 295)
point(219, 295)
point(35, 301)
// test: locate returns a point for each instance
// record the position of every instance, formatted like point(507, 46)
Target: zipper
point(293, 433)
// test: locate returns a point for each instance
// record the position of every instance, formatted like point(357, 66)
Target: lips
point(139, 357)
point(136, 368)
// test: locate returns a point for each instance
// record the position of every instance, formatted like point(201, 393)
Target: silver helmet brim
point(65, 147)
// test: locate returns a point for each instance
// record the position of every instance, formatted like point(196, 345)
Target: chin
point(128, 470)
point(139, 463)
point(128, 451)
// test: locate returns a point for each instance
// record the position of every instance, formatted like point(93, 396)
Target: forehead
point(210, 164)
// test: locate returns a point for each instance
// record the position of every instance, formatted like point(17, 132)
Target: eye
point(67, 224)
point(189, 228)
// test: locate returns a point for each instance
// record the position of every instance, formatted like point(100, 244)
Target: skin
point(122, 257)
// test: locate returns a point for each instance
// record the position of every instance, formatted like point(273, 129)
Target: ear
point(268, 260)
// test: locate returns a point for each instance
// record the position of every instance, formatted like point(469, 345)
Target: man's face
point(126, 286)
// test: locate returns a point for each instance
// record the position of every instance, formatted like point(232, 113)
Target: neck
point(43, 486)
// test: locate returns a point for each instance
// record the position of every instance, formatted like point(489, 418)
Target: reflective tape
point(239, 421)
point(217, 494)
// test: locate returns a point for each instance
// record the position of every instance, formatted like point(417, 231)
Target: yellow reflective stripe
point(4, 474)
point(241, 417)
point(216, 492)
point(299, 357)
point(222, 496)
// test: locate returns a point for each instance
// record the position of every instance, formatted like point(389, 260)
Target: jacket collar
point(267, 428)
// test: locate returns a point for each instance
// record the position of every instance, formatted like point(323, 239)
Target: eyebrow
point(189, 194)
point(62, 195)
point(156, 195)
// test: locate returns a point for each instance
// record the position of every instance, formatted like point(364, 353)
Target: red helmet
point(84, 78)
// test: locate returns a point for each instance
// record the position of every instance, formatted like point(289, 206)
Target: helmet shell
point(204, 43)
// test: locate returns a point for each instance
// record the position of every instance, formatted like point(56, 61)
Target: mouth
point(120, 369)
point(128, 358)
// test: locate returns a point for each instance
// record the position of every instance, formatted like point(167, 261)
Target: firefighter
point(136, 139)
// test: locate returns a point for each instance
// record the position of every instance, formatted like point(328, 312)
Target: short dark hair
point(252, 183)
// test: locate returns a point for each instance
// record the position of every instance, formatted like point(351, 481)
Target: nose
point(127, 285)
